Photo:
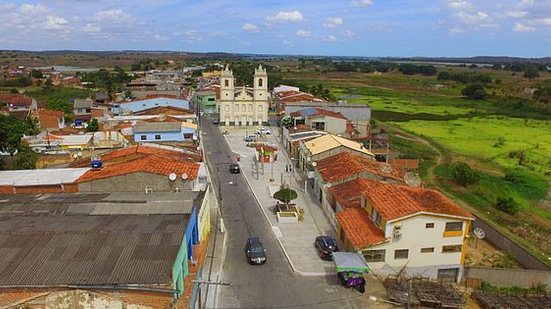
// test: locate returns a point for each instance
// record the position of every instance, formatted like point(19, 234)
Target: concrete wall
point(203, 216)
point(135, 182)
point(508, 277)
point(332, 125)
point(526, 259)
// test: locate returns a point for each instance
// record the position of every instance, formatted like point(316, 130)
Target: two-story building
point(173, 131)
point(82, 109)
point(400, 228)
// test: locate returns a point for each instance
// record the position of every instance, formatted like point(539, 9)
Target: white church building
point(244, 106)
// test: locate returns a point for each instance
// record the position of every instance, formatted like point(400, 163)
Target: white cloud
point(33, 10)
point(360, 3)
point(113, 16)
point(332, 22)
point(523, 28)
point(285, 17)
point(349, 33)
point(56, 23)
point(193, 35)
point(542, 21)
point(91, 28)
point(456, 30)
point(458, 4)
point(160, 37)
point(303, 33)
point(516, 14)
point(330, 38)
point(249, 27)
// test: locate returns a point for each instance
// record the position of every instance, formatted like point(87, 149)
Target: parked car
point(255, 252)
point(216, 122)
point(263, 131)
point(234, 168)
point(250, 138)
point(326, 246)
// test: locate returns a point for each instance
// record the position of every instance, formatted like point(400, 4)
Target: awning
point(350, 261)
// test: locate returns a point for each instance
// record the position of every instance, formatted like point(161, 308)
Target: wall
point(49, 160)
point(526, 259)
point(135, 182)
point(204, 214)
point(332, 125)
point(141, 105)
point(45, 189)
point(416, 236)
point(508, 277)
point(165, 137)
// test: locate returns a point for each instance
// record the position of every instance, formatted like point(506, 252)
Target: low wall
point(507, 276)
point(525, 258)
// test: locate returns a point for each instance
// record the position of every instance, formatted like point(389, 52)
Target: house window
point(427, 250)
point(454, 226)
point(429, 225)
point(260, 82)
point(188, 135)
point(143, 137)
point(374, 255)
point(401, 254)
point(226, 83)
point(451, 248)
point(210, 99)
point(158, 136)
point(375, 217)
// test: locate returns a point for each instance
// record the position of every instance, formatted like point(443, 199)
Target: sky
point(370, 28)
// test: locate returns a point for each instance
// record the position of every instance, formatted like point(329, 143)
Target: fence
point(525, 258)
point(506, 276)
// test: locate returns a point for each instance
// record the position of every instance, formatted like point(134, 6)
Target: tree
point(531, 72)
point(286, 122)
point(507, 205)
point(48, 85)
point(128, 94)
point(11, 131)
point(474, 92)
point(36, 74)
point(32, 125)
point(24, 159)
point(93, 126)
point(464, 175)
point(286, 195)
point(444, 75)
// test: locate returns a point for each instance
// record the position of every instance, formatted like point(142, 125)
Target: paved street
point(273, 285)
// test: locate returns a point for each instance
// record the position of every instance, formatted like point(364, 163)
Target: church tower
point(260, 84)
point(226, 84)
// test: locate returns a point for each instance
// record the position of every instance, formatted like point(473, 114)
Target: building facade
point(244, 106)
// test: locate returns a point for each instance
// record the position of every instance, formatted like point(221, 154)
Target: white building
point(398, 228)
point(244, 105)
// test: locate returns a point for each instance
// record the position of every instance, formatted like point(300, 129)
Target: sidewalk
point(296, 240)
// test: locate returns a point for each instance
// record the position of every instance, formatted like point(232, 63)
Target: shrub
point(464, 175)
point(507, 205)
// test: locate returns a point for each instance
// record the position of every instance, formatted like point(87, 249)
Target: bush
point(464, 175)
point(507, 205)
point(474, 92)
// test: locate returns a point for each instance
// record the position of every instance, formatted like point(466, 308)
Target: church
point(244, 106)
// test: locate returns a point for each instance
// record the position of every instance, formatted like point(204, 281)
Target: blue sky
point(338, 27)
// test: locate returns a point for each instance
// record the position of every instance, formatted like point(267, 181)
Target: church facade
point(244, 106)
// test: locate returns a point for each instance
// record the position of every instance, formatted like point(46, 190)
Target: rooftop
point(165, 110)
point(316, 111)
point(151, 127)
point(346, 164)
point(16, 99)
point(359, 228)
point(154, 164)
point(395, 202)
point(40, 177)
point(330, 141)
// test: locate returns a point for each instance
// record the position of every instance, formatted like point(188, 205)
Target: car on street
point(255, 252)
point(250, 138)
point(234, 168)
point(216, 121)
point(326, 246)
point(263, 131)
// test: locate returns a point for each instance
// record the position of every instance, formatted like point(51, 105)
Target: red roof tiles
point(150, 164)
point(16, 99)
point(165, 110)
point(396, 201)
point(346, 164)
point(359, 229)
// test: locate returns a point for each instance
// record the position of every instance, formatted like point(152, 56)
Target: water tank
point(96, 163)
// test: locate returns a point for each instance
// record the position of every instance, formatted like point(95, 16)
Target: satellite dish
point(79, 153)
point(172, 176)
point(412, 179)
point(75, 156)
point(184, 176)
point(479, 233)
point(386, 168)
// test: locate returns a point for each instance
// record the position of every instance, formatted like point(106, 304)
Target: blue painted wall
point(165, 137)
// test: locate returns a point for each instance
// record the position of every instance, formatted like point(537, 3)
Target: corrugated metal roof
point(57, 239)
point(150, 127)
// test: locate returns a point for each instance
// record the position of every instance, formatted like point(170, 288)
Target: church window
point(236, 108)
point(260, 108)
point(250, 107)
point(244, 108)
point(260, 82)
point(227, 108)
point(226, 83)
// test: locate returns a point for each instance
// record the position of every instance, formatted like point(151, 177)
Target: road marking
point(277, 232)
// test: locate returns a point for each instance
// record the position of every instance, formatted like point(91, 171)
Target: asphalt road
point(272, 285)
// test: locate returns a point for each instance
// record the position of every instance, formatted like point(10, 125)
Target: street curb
point(220, 272)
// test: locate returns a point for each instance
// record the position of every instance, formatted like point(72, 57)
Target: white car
point(263, 131)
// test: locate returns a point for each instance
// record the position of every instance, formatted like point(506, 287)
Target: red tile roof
point(154, 96)
point(406, 164)
point(359, 229)
point(397, 201)
point(165, 110)
point(49, 119)
point(150, 164)
point(316, 111)
point(346, 164)
point(16, 99)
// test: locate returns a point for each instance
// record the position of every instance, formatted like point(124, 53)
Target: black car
point(326, 246)
point(234, 168)
point(216, 122)
point(255, 252)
